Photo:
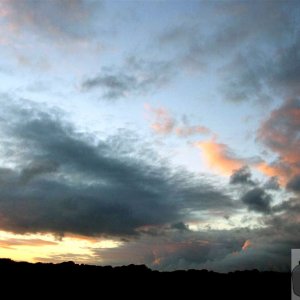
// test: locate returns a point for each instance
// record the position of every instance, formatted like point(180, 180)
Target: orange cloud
point(274, 171)
point(13, 242)
point(280, 133)
point(219, 157)
point(246, 245)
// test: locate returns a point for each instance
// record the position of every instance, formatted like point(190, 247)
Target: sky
point(164, 133)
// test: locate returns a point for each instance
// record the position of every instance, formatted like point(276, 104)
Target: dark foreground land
point(47, 280)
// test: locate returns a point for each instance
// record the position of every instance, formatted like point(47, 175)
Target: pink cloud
point(163, 122)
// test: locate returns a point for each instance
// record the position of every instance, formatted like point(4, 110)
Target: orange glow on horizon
point(46, 247)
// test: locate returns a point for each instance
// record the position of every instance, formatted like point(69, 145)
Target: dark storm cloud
point(136, 76)
point(180, 249)
point(257, 200)
point(36, 168)
point(180, 226)
point(218, 250)
point(255, 195)
point(242, 176)
point(65, 181)
point(268, 247)
point(285, 226)
point(59, 19)
point(294, 184)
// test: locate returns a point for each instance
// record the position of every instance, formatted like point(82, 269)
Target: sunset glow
point(164, 133)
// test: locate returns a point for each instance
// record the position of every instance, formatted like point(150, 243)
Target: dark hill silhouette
point(70, 278)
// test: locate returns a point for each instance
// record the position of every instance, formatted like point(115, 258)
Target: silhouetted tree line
point(70, 278)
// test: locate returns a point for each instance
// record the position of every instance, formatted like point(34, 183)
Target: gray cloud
point(180, 226)
point(294, 184)
point(251, 76)
point(286, 71)
point(219, 250)
point(245, 73)
point(243, 78)
point(275, 22)
point(290, 207)
point(37, 168)
point(272, 184)
point(135, 77)
point(117, 85)
point(65, 182)
point(257, 200)
point(242, 176)
point(252, 58)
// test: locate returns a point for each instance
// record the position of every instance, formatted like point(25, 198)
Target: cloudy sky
point(164, 133)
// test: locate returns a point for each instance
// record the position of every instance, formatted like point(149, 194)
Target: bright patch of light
point(36, 247)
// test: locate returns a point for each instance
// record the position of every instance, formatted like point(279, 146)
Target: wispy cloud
point(162, 122)
point(185, 130)
point(136, 76)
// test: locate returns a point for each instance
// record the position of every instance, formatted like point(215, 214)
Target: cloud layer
point(64, 181)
